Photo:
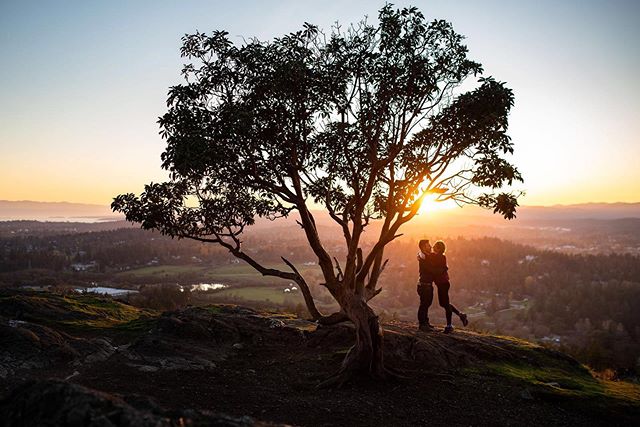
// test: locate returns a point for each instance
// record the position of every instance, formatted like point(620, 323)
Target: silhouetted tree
point(365, 121)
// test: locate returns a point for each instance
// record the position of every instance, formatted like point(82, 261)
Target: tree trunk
point(308, 300)
point(366, 357)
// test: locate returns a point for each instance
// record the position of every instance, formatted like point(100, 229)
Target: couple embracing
point(433, 270)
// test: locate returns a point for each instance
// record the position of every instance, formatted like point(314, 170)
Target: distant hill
point(55, 211)
point(581, 211)
point(83, 212)
point(600, 211)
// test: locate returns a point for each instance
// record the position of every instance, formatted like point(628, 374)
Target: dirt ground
point(279, 384)
point(266, 366)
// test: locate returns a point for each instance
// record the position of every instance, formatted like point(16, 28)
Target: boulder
point(28, 345)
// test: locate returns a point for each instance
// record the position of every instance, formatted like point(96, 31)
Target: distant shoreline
point(89, 213)
point(67, 219)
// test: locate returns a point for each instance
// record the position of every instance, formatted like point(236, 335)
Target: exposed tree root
point(337, 380)
point(344, 376)
point(354, 367)
point(333, 319)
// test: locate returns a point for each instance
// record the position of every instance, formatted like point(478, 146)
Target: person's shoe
point(448, 329)
point(426, 327)
point(464, 319)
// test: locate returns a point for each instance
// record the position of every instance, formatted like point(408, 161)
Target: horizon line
point(521, 206)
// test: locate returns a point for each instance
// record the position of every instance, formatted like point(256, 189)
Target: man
point(425, 285)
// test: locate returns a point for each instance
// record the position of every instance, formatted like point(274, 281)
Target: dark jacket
point(433, 268)
point(438, 266)
point(426, 273)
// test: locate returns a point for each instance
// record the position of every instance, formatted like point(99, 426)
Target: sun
point(430, 205)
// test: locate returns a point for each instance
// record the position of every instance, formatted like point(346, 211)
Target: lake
point(109, 291)
point(206, 287)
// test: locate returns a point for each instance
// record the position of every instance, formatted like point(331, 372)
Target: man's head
point(424, 246)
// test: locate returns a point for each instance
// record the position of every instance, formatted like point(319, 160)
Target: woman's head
point(439, 247)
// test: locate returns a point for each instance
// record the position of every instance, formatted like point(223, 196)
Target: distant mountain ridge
point(55, 211)
point(583, 211)
point(69, 211)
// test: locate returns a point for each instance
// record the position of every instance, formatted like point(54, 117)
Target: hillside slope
point(236, 361)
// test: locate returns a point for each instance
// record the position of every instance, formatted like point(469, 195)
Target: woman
point(439, 268)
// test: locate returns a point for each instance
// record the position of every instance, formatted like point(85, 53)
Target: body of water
point(205, 287)
point(108, 291)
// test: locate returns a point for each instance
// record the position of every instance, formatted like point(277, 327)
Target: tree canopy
point(363, 121)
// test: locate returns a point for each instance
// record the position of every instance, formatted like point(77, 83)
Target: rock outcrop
point(27, 345)
point(58, 403)
point(198, 338)
point(234, 360)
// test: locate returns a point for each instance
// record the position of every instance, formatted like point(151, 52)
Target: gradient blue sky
point(83, 82)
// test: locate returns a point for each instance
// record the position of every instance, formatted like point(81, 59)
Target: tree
point(364, 122)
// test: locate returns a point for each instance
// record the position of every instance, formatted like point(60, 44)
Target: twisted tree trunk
point(366, 356)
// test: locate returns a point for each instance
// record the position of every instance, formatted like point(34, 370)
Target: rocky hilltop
point(87, 360)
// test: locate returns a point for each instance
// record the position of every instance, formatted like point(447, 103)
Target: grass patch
point(518, 342)
point(140, 324)
point(260, 294)
point(245, 269)
point(101, 312)
point(232, 272)
point(507, 314)
point(161, 270)
point(558, 381)
point(213, 309)
point(77, 311)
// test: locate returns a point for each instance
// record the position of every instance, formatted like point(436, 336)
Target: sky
point(82, 84)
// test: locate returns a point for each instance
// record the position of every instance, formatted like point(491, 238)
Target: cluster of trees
point(598, 320)
point(160, 297)
point(115, 250)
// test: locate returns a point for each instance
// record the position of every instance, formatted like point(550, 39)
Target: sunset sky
point(83, 82)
